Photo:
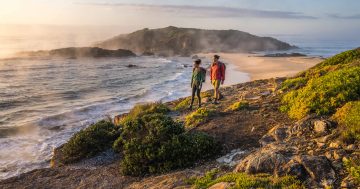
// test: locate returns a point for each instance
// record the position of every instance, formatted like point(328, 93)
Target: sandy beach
point(266, 67)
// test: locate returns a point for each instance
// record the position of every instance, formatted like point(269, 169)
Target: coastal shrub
point(339, 61)
point(241, 105)
point(199, 116)
point(154, 143)
point(343, 60)
point(184, 104)
point(89, 141)
point(243, 180)
point(348, 118)
point(324, 94)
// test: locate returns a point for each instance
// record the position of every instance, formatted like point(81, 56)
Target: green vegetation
point(324, 94)
point(199, 116)
point(241, 105)
point(184, 104)
point(324, 87)
point(348, 118)
point(243, 180)
point(90, 141)
point(151, 142)
point(353, 168)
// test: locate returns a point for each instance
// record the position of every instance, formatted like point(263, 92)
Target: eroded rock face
point(276, 134)
point(268, 159)
point(318, 167)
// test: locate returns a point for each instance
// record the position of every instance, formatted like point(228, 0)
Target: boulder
point(195, 57)
point(266, 139)
point(318, 168)
point(321, 126)
point(334, 144)
point(268, 159)
point(350, 147)
point(276, 134)
point(339, 154)
point(293, 168)
point(279, 133)
point(131, 66)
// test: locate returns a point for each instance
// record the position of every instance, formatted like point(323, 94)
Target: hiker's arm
point(192, 78)
point(211, 74)
point(222, 74)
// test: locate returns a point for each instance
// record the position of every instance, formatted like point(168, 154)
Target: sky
point(317, 18)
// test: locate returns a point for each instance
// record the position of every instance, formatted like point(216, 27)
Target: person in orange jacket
point(217, 76)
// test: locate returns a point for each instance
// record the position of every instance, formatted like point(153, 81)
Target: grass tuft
point(241, 105)
point(243, 180)
point(198, 117)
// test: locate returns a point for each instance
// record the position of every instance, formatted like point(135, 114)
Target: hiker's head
point(197, 63)
point(216, 58)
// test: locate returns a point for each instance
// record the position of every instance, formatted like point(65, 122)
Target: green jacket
point(198, 76)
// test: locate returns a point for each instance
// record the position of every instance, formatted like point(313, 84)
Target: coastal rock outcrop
point(78, 52)
point(172, 40)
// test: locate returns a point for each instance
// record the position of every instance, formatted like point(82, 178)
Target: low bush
point(243, 180)
point(324, 94)
point(90, 141)
point(241, 105)
point(348, 118)
point(154, 143)
point(199, 116)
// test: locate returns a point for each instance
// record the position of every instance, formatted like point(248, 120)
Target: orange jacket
point(217, 71)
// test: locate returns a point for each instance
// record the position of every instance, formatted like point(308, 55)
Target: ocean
point(43, 102)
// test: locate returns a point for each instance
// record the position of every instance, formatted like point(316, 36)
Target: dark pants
point(195, 90)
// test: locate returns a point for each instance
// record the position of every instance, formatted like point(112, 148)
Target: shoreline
point(258, 67)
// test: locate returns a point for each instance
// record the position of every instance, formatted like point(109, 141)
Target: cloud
point(356, 16)
point(209, 11)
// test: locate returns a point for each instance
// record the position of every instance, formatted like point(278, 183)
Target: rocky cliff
point(186, 41)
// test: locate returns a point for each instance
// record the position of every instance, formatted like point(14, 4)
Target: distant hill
point(78, 52)
point(186, 41)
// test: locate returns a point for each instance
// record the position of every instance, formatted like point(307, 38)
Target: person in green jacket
point(197, 78)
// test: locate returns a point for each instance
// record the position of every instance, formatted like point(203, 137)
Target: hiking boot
point(190, 107)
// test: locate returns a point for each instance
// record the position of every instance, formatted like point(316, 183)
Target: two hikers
point(217, 77)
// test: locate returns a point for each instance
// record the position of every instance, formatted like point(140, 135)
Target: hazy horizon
point(323, 18)
point(42, 25)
